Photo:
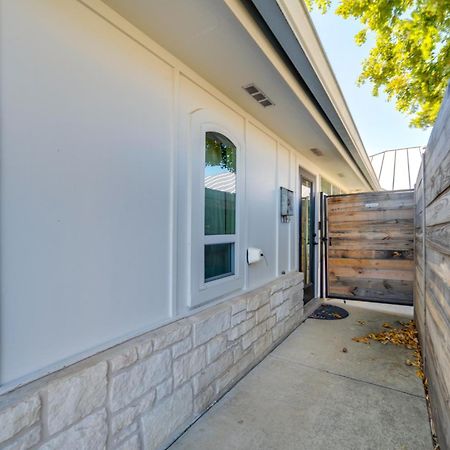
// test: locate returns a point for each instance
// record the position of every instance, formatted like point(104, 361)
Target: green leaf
point(410, 60)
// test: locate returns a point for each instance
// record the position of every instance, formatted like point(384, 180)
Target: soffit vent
point(316, 151)
point(258, 95)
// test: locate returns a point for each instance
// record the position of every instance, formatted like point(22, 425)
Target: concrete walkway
point(309, 394)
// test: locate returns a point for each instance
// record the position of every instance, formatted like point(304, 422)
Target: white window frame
point(204, 291)
point(220, 238)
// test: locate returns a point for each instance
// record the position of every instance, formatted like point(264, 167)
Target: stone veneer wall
point(143, 393)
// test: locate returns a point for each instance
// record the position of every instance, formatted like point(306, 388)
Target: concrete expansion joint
point(359, 380)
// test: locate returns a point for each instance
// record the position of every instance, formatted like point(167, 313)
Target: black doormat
point(329, 312)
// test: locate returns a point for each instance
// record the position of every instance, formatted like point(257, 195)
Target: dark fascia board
point(272, 22)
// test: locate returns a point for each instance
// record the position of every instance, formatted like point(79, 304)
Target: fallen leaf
point(405, 336)
point(363, 339)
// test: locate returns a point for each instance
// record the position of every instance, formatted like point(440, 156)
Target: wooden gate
point(369, 246)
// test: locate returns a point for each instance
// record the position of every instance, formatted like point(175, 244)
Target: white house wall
point(86, 184)
point(261, 178)
point(285, 242)
point(96, 183)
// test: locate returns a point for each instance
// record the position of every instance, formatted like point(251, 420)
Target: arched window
point(220, 207)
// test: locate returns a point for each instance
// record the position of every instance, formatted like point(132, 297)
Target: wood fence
point(370, 246)
point(432, 281)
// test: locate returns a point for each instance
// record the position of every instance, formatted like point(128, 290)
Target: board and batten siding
point(370, 247)
point(96, 173)
point(432, 284)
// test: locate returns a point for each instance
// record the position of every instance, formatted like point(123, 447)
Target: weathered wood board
point(432, 280)
point(371, 246)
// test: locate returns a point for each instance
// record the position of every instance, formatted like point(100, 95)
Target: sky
point(380, 125)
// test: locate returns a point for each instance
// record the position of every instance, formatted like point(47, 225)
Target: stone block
point(125, 418)
point(188, 365)
point(124, 358)
point(169, 334)
point(276, 299)
point(257, 299)
point(276, 286)
point(230, 376)
point(164, 389)
point(262, 313)
point(144, 347)
point(212, 371)
point(210, 323)
point(278, 331)
point(271, 321)
point(290, 280)
point(182, 347)
point(134, 381)
point(238, 318)
point(238, 304)
point(76, 396)
point(263, 344)
point(237, 352)
point(292, 323)
point(130, 444)
point(89, 434)
point(253, 335)
point(124, 434)
point(287, 294)
point(167, 417)
point(204, 400)
point(16, 417)
point(297, 296)
point(283, 310)
point(215, 348)
point(25, 441)
point(241, 329)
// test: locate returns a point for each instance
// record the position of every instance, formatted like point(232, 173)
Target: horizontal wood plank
point(438, 211)
point(370, 254)
point(432, 281)
point(371, 246)
point(372, 216)
point(384, 264)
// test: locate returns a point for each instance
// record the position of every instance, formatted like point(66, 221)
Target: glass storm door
point(307, 235)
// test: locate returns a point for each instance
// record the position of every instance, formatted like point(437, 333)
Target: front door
point(307, 233)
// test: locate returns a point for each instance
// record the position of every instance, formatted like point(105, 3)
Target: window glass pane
point(219, 261)
point(220, 185)
point(306, 226)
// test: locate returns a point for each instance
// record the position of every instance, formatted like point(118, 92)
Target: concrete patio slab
point(308, 394)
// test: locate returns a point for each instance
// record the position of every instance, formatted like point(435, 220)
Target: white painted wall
point(285, 241)
point(86, 184)
point(262, 203)
point(99, 148)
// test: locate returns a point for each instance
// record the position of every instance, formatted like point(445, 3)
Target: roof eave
point(292, 42)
